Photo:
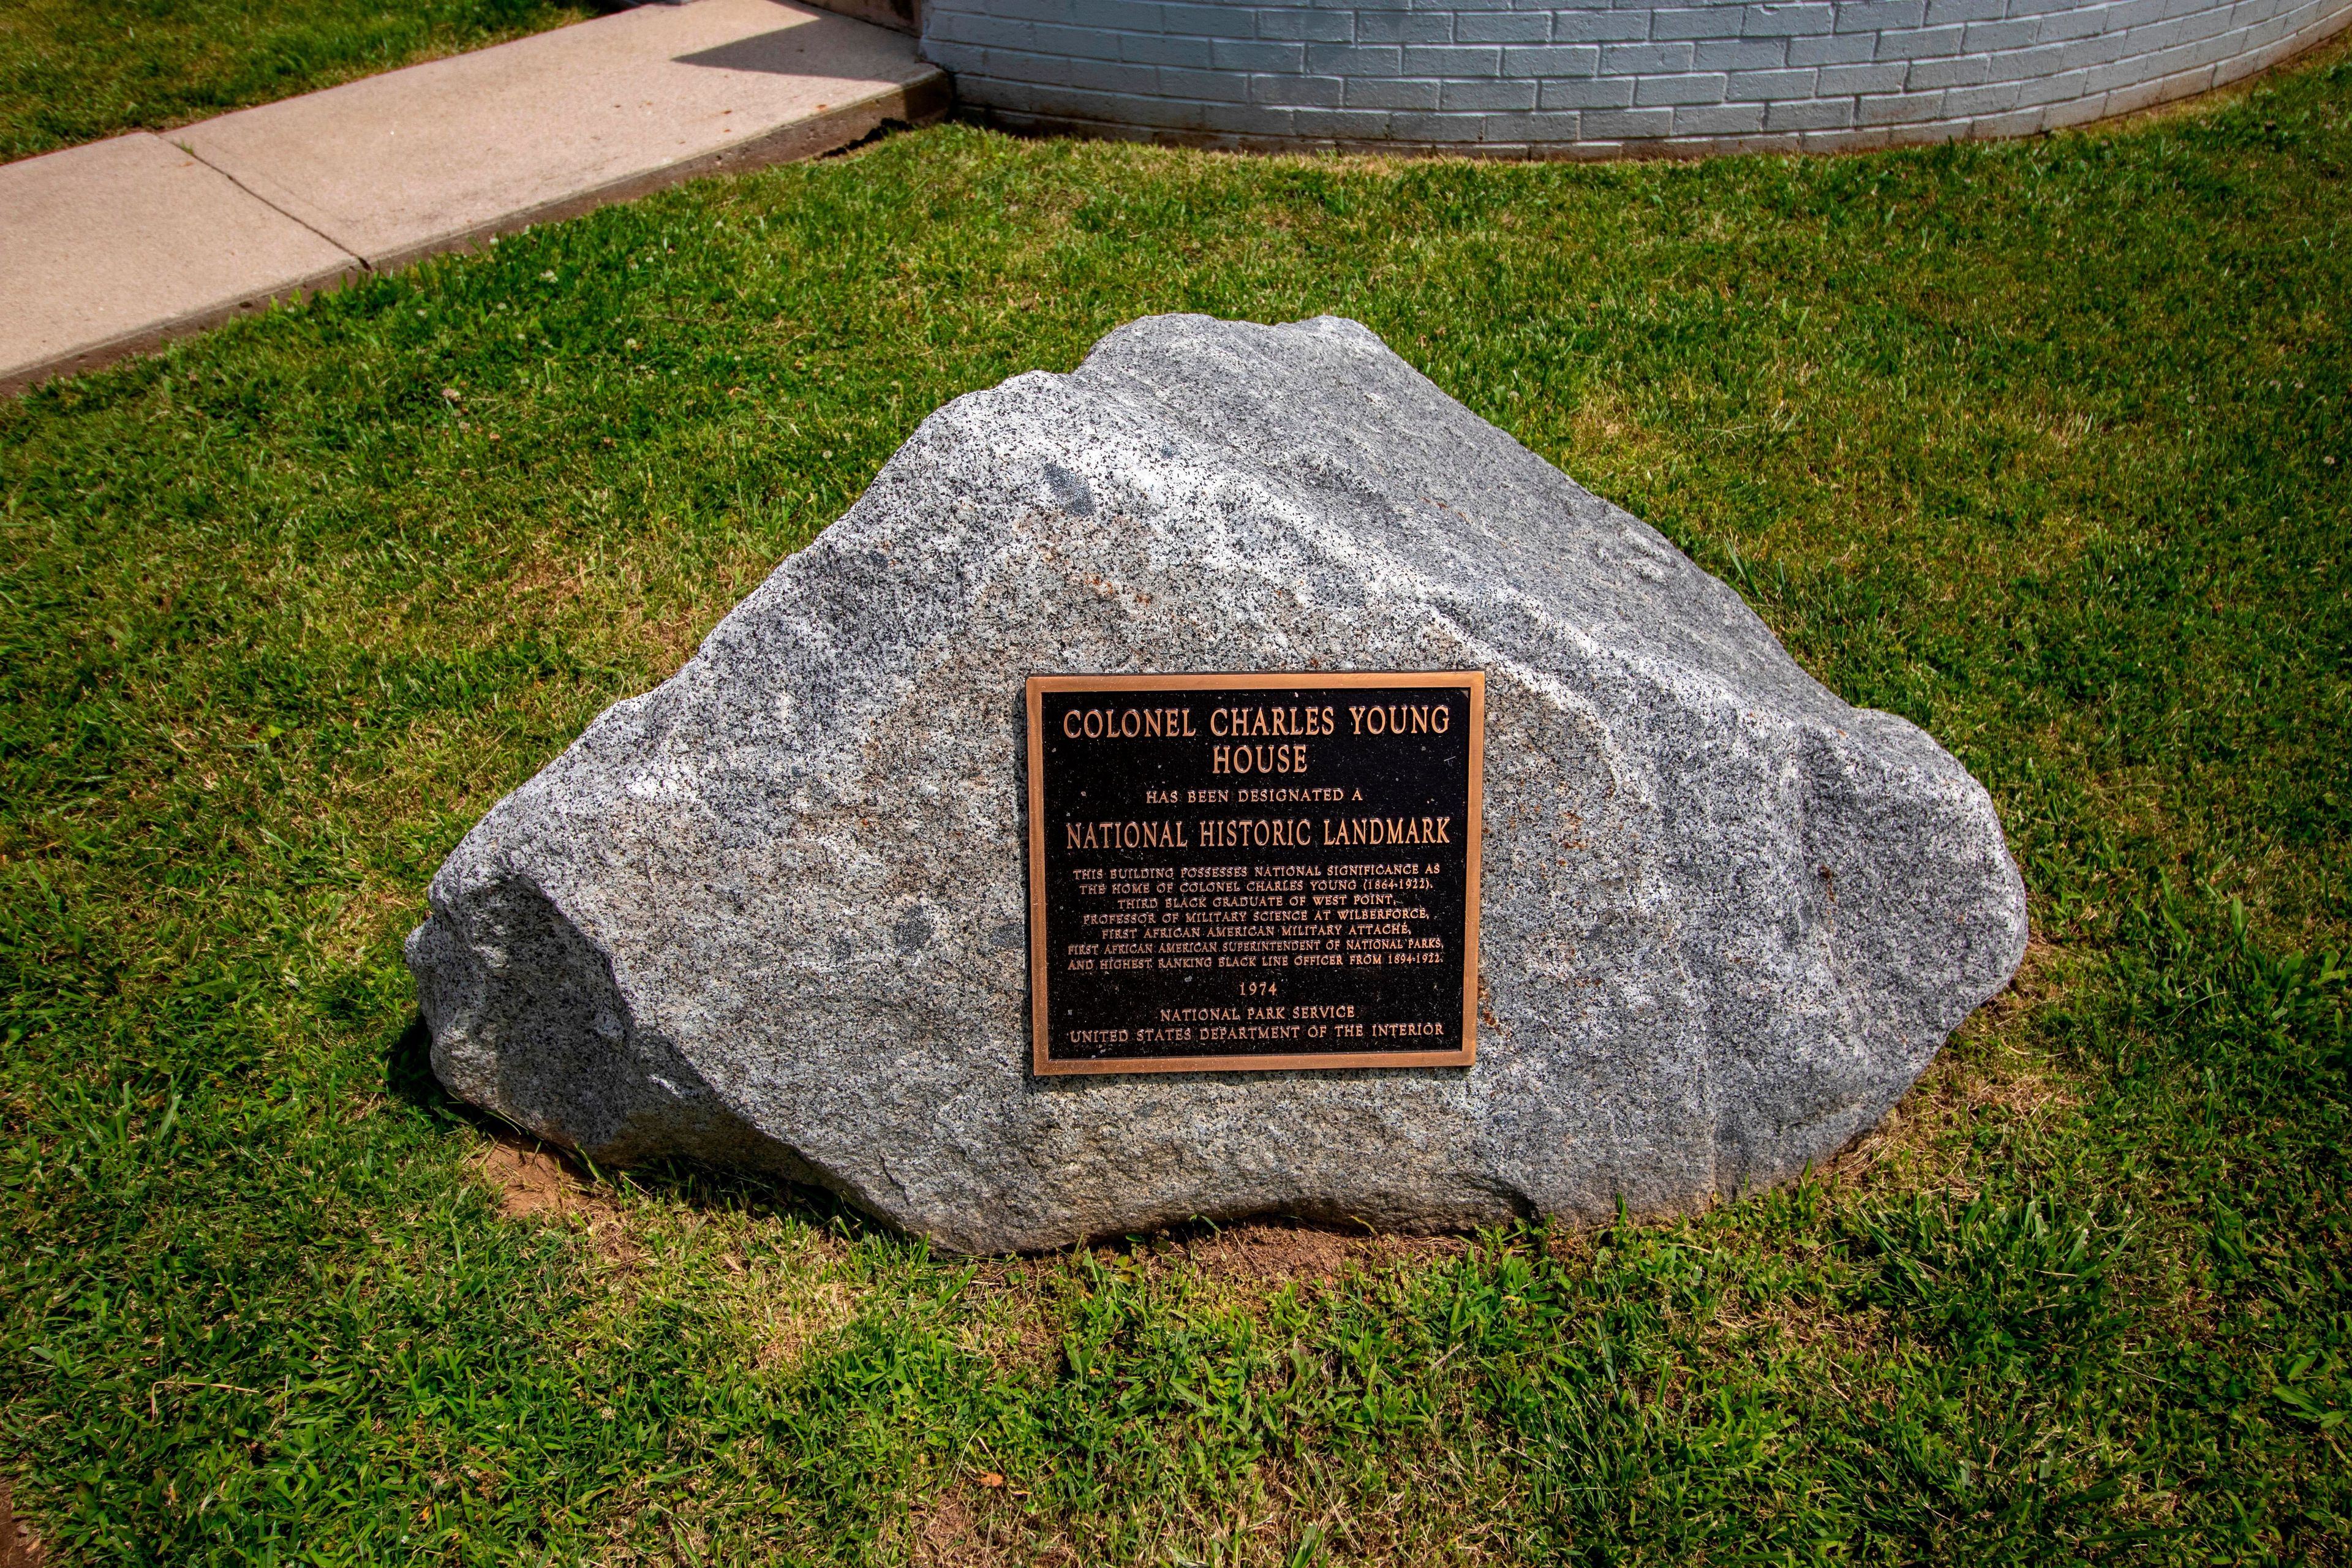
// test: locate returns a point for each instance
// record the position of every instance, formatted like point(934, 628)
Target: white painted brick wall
point(1596, 79)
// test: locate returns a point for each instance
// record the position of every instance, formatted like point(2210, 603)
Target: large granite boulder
point(772, 914)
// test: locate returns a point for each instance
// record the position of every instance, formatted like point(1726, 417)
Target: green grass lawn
point(71, 70)
point(2041, 445)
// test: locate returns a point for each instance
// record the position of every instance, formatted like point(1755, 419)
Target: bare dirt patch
point(1270, 1252)
point(949, 1535)
point(531, 1179)
point(19, 1547)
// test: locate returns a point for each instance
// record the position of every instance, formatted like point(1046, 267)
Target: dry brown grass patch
point(1984, 1072)
point(795, 1317)
point(1428, 1509)
point(550, 578)
point(1803, 1323)
point(367, 918)
point(1604, 423)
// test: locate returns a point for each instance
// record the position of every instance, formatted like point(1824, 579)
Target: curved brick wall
point(1594, 79)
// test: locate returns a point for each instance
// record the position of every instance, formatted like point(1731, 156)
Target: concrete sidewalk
point(110, 248)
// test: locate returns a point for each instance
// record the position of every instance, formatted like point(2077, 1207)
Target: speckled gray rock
point(772, 913)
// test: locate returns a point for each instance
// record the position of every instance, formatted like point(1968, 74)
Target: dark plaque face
point(1254, 870)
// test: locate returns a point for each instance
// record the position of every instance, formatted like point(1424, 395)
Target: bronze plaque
point(1239, 871)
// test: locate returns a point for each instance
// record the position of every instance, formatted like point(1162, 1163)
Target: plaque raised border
point(1042, 1063)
